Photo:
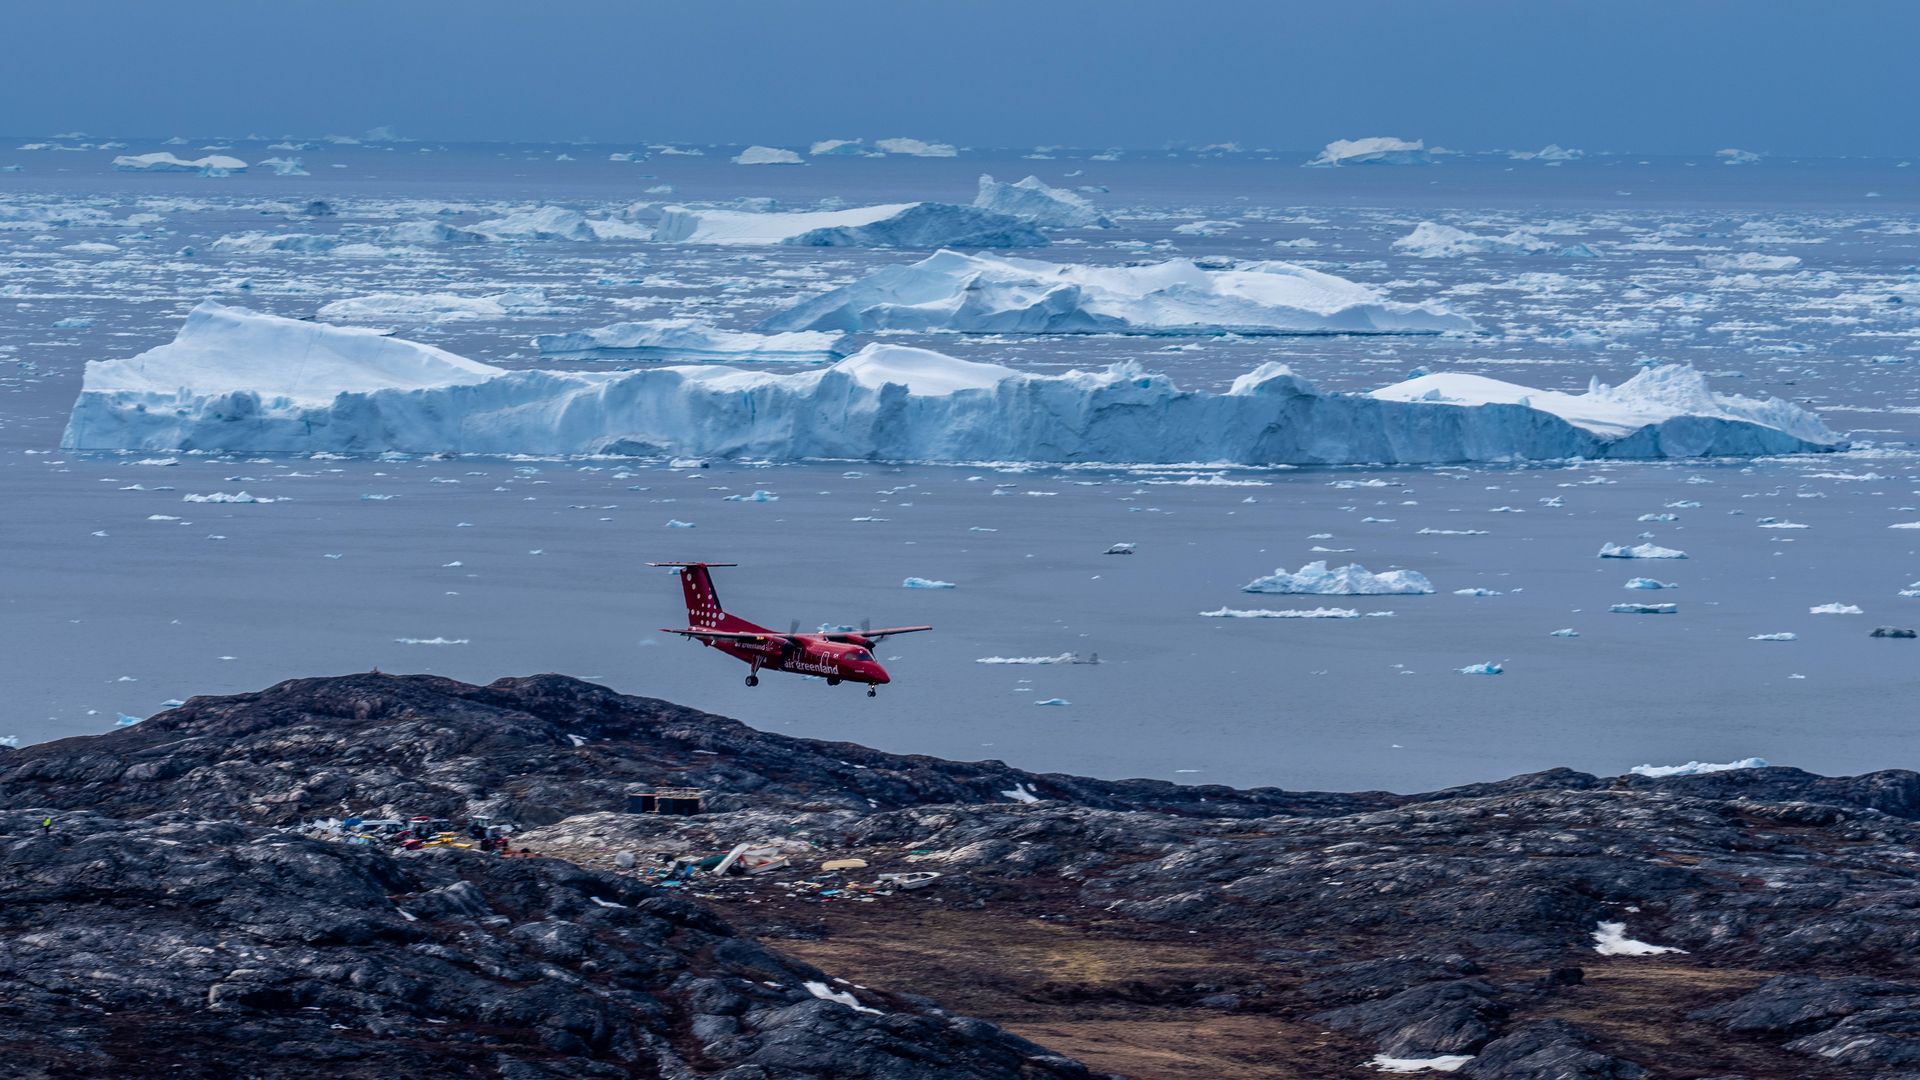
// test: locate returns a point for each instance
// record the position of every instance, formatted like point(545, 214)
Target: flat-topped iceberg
point(234, 380)
point(1379, 150)
point(164, 162)
point(767, 155)
point(688, 337)
point(988, 294)
point(1033, 200)
point(922, 226)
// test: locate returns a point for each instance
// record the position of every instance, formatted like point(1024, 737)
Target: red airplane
point(837, 656)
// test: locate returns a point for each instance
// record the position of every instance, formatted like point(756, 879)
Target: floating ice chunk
point(676, 523)
point(432, 641)
point(689, 337)
point(826, 993)
point(229, 381)
point(767, 155)
point(1293, 613)
point(11, 742)
point(1432, 241)
point(432, 307)
point(1696, 768)
point(1053, 701)
point(1769, 523)
point(1351, 580)
point(1659, 517)
point(125, 720)
point(1551, 153)
point(1640, 551)
point(1835, 609)
point(286, 166)
point(1649, 583)
point(1645, 609)
point(1775, 637)
point(223, 497)
point(1906, 525)
point(1567, 631)
point(842, 148)
point(1610, 939)
point(1894, 632)
point(921, 225)
point(925, 583)
point(1477, 591)
point(1731, 156)
point(539, 223)
point(1033, 200)
point(756, 497)
point(1378, 150)
point(1437, 1063)
point(915, 148)
point(996, 294)
point(73, 323)
point(1063, 658)
point(164, 162)
point(1453, 532)
point(1486, 668)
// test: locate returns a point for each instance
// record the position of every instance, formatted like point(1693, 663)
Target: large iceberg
point(688, 337)
point(985, 294)
point(895, 225)
point(767, 155)
point(240, 381)
point(1033, 200)
point(551, 223)
point(1379, 150)
point(1431, 241)
point(164, 162)
point(1314, 579)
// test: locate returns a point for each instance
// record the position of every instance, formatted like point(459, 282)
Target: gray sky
point(1652, 76)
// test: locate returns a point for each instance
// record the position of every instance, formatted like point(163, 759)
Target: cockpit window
point(861, 654)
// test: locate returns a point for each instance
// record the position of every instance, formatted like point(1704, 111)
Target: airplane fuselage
point(804, 654)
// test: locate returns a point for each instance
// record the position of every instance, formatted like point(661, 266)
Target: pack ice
point(1033, 200)
point(236, 380)
point(921, 225)
point(987, 294)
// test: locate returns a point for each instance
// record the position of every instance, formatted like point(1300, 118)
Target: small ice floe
point(1782, 636)
point(163, 517)
point(676, 523)
point(11, 742)
point(1063, 658)
point(1350, 580)
point(1565, 631)
point(1659, 517)
point(1487, 668)
point(1771, 523)
point(1894, 632)
point(1293, 613)
point(371, 497)
point(756, 497)
point(1645, 609)
point(1649, 583)
point(1439, 1063)
point(432, 641)
point(926, 583)
point(1906, 525)
point(1835, 609)
point(819, 989)
point(1054, 701)
point(870, 517)
point(127, 721)
point(1610, 939)
point(223, 497)
point(1453, 532)
point(172, 703)
point(1684, 504)
point(1696, 768)
point(1119, 549)
point(1478, 591)
point(1639, 551)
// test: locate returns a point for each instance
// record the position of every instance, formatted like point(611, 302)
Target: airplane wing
point(876, 635)
point(725, 635)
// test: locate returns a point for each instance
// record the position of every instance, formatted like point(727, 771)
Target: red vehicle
point(837, 656)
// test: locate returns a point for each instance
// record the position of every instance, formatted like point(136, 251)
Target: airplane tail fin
point(703, 603)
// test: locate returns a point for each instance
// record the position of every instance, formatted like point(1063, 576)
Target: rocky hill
point(1757, 923)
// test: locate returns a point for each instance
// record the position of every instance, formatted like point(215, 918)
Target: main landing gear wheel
point(873, 691)
point(753, 680)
